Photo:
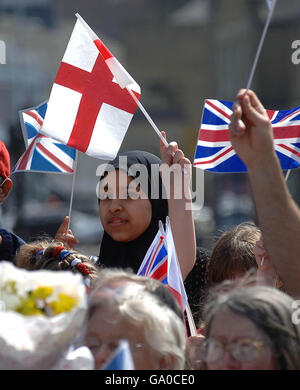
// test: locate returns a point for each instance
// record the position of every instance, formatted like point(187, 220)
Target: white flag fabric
point(87, 109)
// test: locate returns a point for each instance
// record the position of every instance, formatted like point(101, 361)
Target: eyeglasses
point(243, 350)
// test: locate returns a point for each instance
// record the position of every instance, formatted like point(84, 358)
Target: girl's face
point(125, 210)
point(237, 344)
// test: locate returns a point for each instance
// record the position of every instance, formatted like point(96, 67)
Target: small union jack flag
point(214, 151)
point(155, 264)
point(161, 263)
point(43, 154)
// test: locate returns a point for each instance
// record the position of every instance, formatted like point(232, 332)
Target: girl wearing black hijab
point(131, 222)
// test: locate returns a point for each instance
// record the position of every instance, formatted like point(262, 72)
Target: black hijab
point(131, 254)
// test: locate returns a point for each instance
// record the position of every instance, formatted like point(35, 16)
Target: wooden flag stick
point(271, 10)
point(147, 116)
point(72, 190)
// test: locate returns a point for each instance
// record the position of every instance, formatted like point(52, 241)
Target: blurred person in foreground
point(122, 309)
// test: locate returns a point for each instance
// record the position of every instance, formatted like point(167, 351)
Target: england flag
point(89, 107)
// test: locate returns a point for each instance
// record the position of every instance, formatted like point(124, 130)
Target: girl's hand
point(176, 167)
point(65, 235)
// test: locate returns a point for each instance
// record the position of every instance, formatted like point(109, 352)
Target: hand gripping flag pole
point(119, 72)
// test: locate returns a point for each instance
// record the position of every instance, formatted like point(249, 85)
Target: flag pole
point(147, 116)
point(262, 39)
point(191, 321)
point(73, 187)
point(271, 10)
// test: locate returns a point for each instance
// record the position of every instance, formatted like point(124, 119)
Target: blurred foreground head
point(128, 310)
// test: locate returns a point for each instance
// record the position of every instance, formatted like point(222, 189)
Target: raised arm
point(279, 217)
point(180, 203)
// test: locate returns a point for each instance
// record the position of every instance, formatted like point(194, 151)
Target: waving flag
point(161, 263)
point(88, 109)
point(155, 263)
point(214, 151)
point(121, 359)
point(42, 154)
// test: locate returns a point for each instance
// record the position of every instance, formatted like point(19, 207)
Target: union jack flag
point(43, 154)
point(161, 263)
point(214, 151)
point(155, 264)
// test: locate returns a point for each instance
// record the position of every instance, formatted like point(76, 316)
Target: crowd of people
point(241, 294)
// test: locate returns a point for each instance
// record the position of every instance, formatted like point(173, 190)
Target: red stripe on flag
point(24, 161)
point(223, 135)
point(214, 135)
point(153, 257)
point(54, 158)
point(96, 88)
point(217, 109)
point(72, 77)
point(161, 272)
point(289, 149)
point(286, 132)
point(214, 159)
point(270, 113)
point(106, 54)
point(35, 116)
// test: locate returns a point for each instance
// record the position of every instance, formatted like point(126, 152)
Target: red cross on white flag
point(88, 109)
